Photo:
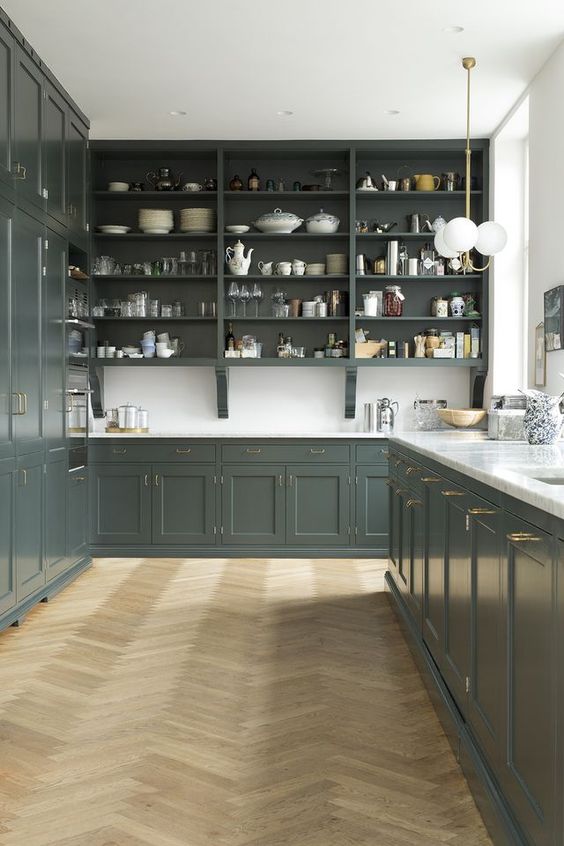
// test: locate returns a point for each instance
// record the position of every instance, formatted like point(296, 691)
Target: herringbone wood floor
point(223, 703)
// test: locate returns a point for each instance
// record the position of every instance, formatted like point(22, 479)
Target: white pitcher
point(236, 260)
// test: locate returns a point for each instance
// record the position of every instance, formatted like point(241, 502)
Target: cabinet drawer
point(372, 453)
point(149, 452)
point(312, 453)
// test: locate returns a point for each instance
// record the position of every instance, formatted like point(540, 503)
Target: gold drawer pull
point(482, 511)
point(430, 479)
point(186, 451)
point(453, 493)
point(314, 451)
point(411, 470)
point(119, 451)
point(253, 451)
point(385, 452)
point(79, 478)
point(411, 502)
point(522, 536)
point(398, 462)
point(389, 483)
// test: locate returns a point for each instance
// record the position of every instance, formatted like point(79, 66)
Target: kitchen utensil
point(257, 296)
point(265, 267)
point(361, 264)
point(322, 223)
point(277, 222)
point(417, 222)
point(461, 418)
point(328, 173)
point(295, 307)
point(233, 296)
point(385, 415)
point(192, 186)
point(236, 260)
point(163, 179)
point(392, 253)
point(405, 183)
point(426, 182)
point(113, 229)
point(370, 417)
point(298, 267)
point(392, 185)
point(315, 269)
point(382, 228)
point(413, 267)
point(366, 183)
point(450, 181)
point(372, 301)
point(237, 229)
point(426, 416)
point(118, 186)
point(136, 186)
point(284, 268)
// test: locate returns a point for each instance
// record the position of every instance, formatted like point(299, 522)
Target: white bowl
point(118, 186)
point(155, 231)
point(237, 230)
point(111, 229)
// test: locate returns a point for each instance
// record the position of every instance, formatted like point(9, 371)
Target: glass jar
point(166, 310)
point(393, 301)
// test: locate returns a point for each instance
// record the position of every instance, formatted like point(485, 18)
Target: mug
point(298, 267)
point(265, 267)
point(163, 338)
point(392, 185)
point(284, 268)
point(192, 186)
point(149, 335)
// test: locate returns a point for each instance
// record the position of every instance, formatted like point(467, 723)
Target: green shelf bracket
point(97, 388)
point(350, 393)
point(222, 383)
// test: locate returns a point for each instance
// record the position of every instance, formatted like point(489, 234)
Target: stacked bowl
point(336, 264)
point(315, 268)
point(198, 220)
point(156, 221)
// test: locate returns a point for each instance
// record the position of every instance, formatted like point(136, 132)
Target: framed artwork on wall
point(554, 318)
point(540, 357)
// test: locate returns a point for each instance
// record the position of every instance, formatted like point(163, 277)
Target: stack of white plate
point(315, 269)
point(336, 264)
point(156, 221)
point(308, 308)
point(197, 220)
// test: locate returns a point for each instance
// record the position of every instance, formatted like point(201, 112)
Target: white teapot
point(236, 260)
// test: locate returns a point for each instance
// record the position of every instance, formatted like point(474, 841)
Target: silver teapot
point(164, 179)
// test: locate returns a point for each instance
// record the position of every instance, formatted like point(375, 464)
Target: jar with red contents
point(393, 301)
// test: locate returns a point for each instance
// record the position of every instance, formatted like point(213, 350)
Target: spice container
point(393, 301)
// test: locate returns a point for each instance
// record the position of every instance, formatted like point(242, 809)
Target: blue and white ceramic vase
point(542, 423)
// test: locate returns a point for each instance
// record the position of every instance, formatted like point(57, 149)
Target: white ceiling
point(337, 64)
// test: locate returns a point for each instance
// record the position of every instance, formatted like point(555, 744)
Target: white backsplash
point(274, 399)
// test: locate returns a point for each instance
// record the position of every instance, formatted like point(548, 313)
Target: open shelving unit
point(129, 161)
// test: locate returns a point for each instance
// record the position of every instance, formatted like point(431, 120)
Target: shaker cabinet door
point(7, 63)
point(318, 506)
point(27, 283)
point(396, 517)
point(433, 575)
point(7, 545)
point(372, 507)
point(54, 153)
point(77, 175)
point(77, 516)
point(56, 513)
point(183, 504)
point(28, 111)
point(53, 308)
point(30, 569)
point(253, 505)
point(8, 401)
point(120, 504)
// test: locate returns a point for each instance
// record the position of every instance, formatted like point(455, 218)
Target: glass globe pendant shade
point(460, 234)
point(492, 238)
point(441, 247)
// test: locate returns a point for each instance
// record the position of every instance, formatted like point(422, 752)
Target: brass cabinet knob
point(412, 502)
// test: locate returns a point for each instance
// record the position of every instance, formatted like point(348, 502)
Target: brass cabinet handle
point(250, 451)
point(399, 491)
point(482, 511)
point(290, 480)
point(23, 478)
point(453, 493)
point(280, 481)
point(184, 451)
point(20, 172)
point(411, 502)
point(156, 480)
point(522, 537)
point(389, 483)
point(146, 480)
point(314, 451)
point(385, 452)
point(411, 470)
point(24, 401)
point(79, 478)
point(119, 451)
point(18, 395)
point(430, 479)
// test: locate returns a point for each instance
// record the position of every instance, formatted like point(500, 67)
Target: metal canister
point(370, 416)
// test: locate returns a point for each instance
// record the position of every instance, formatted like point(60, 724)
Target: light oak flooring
point(175, 702)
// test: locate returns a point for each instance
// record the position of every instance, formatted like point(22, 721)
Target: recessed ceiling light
point(453, 30)
point(391, 112)
point(177, 113)
point(284, 113)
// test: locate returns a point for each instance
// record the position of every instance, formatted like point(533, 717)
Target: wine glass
point(244, 297)
point(256, 295)
point(233, 296)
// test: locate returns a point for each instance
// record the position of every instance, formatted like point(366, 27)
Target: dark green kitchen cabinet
point(8, 400)
point(77, 173)
point(27, 364)
point(184, 504)
point(395, 526)
point(28, 129)
point(318, 505)
point(77, 515)
point(532, 750)
point(120, 504)
point(30, 569)
point(433, 575)
point(415, 517)
point(53, 312)
point(456, 591)
point(7, 545)
point(54, 147)
point(371, 491)
point(253, 505)
point(7, 62)
point(56, 474)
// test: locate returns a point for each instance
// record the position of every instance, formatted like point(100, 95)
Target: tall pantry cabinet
point(43, 225)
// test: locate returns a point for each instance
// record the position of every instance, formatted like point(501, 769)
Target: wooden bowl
point(462, 418)
point(368, 349)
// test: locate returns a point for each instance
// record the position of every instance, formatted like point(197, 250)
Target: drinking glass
point(244, 297)
point(257, 295)
point(233, 296)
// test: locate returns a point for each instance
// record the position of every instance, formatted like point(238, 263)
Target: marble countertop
point(253, 435)
point(507, 466)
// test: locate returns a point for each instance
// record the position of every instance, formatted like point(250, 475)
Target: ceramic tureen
point(278, 222)
point(322, 223)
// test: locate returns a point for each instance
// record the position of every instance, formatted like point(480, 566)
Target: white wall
point(546, 168)
point(274, 399)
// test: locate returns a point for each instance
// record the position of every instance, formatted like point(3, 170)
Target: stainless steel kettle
point(386, 415)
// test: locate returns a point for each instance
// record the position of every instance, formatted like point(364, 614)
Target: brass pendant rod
point(468, 63)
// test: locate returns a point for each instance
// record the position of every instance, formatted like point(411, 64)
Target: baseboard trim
point(234, 552)
point(494, 809)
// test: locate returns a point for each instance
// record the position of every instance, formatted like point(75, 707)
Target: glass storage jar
point(393, 301)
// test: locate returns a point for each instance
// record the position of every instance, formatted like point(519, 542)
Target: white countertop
point(503, 465)
point(253, 435)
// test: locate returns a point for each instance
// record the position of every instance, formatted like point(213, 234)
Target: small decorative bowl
point(237, 230)
point(462, 418)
